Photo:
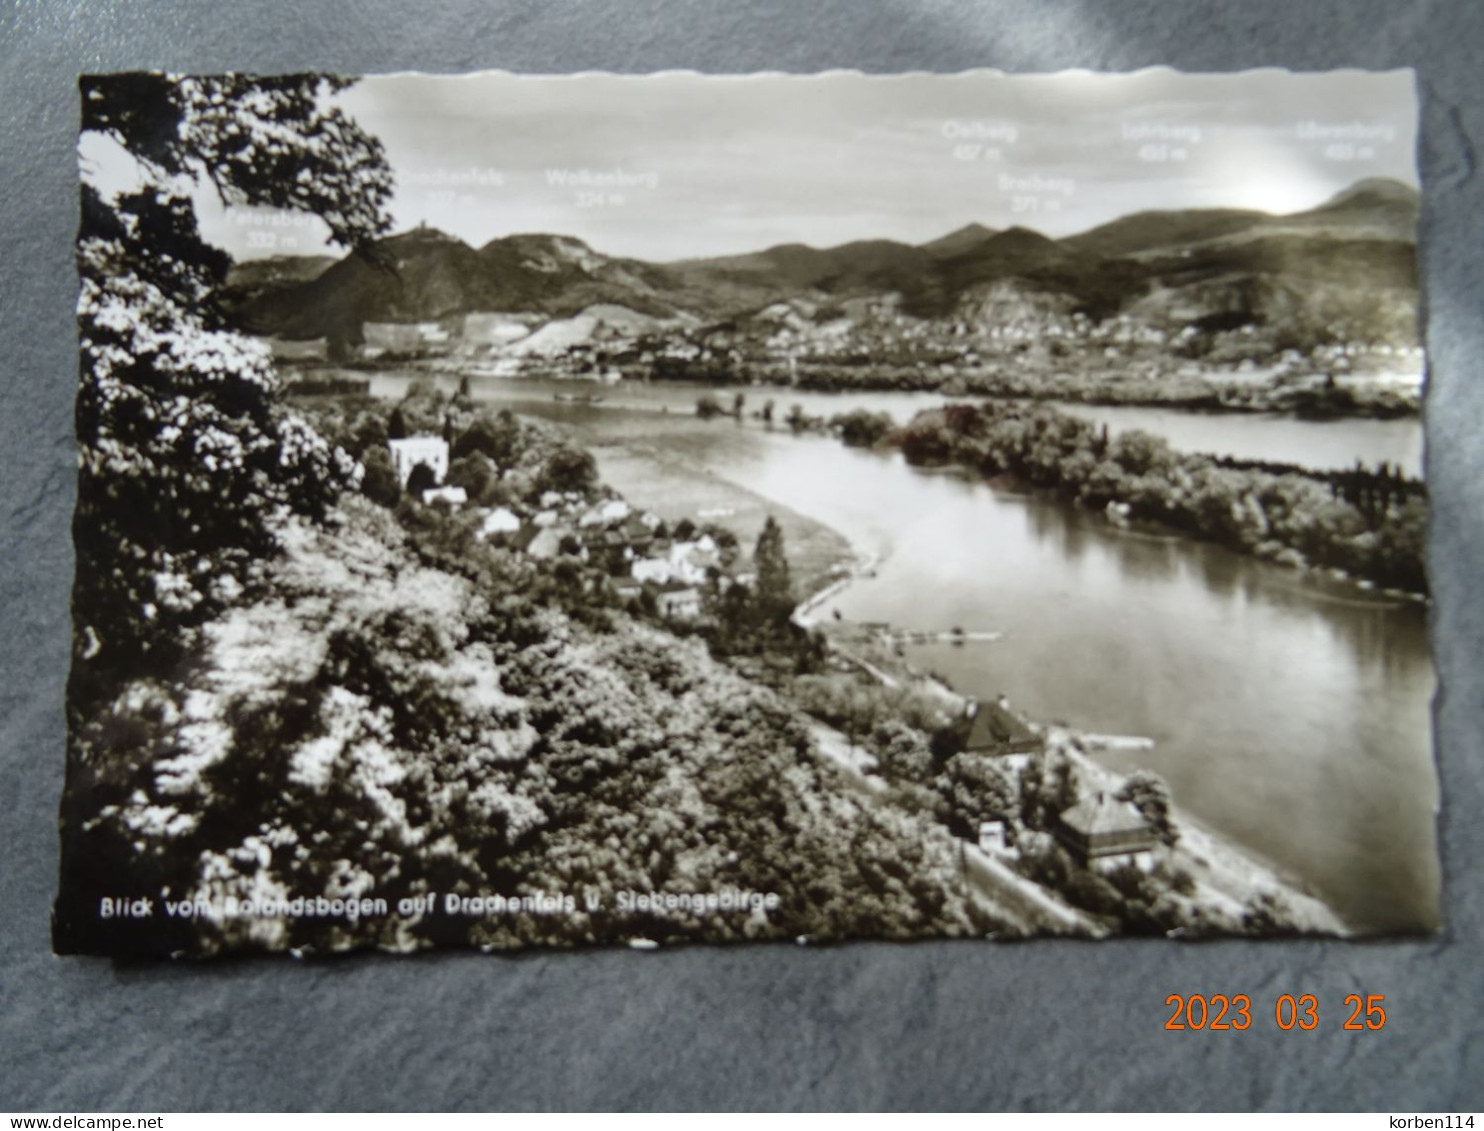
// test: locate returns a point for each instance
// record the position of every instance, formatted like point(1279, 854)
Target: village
point(1020, 796)
point(1008, 336)
point(642, 557)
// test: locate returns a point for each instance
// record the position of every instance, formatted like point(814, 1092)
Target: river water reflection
point(1288, 713)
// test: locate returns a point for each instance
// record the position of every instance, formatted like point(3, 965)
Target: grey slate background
point(936, 1025)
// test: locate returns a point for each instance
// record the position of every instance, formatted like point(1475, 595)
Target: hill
point(1350, 259)
point(1148, 231)
point(255, 277)
point(426, 275)
point(958, 241)
point(1375, 208)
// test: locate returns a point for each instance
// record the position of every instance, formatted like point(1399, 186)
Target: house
point(613, 510)
point(992, 839)
point(548, 542)
point(501, 520)
point(689, 560)
point(656, 570)
point(413, 450)
point(316, 349)
point(453, 496)
point(1103, 832)
point(679, 604)
point(627, 589)
point(639, 533)
point(397, 337)
point(992, 729)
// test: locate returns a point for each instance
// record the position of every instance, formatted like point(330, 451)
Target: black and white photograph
point(645, 510)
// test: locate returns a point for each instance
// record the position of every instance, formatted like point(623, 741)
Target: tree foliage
point(1371, 524)
point(1150, 795)
point(189, 467)
point(774, 597)
point(185, 455)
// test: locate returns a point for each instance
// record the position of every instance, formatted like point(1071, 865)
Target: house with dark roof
point(992, 729)
point(637, 532)
point(1104, 832)
point(626, 588)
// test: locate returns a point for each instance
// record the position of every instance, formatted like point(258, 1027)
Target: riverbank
point(1306, 395)
point(1313, 394)
point(1227, 877)
point(1208, 885)
point(1254, 682)
point(1368, 523)
point(1219, 884)
point(674, 487)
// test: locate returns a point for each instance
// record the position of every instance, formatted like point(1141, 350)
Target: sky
point(683, 166)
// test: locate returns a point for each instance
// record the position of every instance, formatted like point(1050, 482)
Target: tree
point(189, 465)
point(422, 478)
point(1149, 794)
point(479, 479)
point(774, 595)
point(187, 458)
point(497, 437)
point(569, 469)
point(380, 483)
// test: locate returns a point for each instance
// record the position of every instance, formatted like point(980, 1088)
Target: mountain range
point(1352, 258)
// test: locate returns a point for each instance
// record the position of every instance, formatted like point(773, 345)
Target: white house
point(409, 452)
point(453, 496)
point(501, 520)
point(992, 839)
point(613, 510)
point(679, 604)
point(657, 570)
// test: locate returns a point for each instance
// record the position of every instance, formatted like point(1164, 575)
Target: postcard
point(558, 511)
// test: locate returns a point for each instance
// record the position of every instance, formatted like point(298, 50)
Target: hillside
point(399, 707)
point(1376, 209)
point(428, 275)
point(1150, 231)
point(254, 277)
point(958, 241)
point(1350, 260)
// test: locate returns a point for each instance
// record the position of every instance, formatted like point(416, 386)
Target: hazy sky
point(681, 165)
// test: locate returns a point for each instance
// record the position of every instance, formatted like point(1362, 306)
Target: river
point(1319, 444)
point(1289, 713)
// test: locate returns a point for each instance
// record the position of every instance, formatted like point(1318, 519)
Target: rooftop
point(1102, 815)
point(990, 725)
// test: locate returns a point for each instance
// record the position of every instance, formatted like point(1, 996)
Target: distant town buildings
point(403, 337)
